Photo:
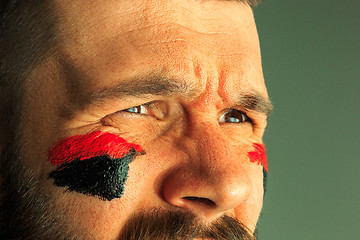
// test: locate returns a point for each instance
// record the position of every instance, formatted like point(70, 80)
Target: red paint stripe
point(88, 146)
point(259, 155)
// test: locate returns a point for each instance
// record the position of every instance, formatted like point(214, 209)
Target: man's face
point(173, 77)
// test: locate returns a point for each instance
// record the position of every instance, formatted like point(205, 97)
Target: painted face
point(259, 155)
point(179, 80)
point(96, 164)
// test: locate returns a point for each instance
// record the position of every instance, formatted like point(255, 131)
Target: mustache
point(182, 225)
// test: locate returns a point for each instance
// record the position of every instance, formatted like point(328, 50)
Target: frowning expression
point(181, 79)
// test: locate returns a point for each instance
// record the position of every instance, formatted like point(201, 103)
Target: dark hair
point(26, 37)
point(155, 224)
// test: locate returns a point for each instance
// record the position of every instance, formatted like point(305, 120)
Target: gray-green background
point(310, 52)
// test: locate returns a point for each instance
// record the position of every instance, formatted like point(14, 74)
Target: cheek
point(83, 147)
point(249, 211)
point(95, 164)
point(93, 217)
point(258, 155)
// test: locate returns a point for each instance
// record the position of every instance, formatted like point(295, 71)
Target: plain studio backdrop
point(311, 60)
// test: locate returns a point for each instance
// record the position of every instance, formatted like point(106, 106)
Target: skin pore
point(180, 78)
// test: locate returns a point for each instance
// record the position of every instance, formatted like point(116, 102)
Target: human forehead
point(114, 40)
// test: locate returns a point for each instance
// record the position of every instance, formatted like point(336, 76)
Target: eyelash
point(240, 118)
point(138, 108)
point(244, 117)
point(156, 109)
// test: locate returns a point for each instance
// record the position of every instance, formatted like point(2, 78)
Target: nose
point(213, 178)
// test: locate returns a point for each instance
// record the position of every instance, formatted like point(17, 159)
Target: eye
point(141, 109)
point(156, 109)
point(234, 116)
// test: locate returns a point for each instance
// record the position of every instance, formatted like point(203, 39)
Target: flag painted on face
point(259, 155)
point(95, 164)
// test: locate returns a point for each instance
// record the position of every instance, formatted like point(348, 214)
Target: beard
point(27, 213)
point(156, 224)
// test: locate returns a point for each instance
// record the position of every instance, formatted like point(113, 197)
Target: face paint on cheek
point(259, 155)
point(96, 164)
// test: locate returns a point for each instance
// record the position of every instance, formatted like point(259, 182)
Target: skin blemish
point(96, 164)
point(259, 155)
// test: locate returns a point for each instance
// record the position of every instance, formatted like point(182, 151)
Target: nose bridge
point(213, 173)
point(211, 147)
point(216, 158)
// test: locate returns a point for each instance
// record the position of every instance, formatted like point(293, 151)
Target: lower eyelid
point(119, 118)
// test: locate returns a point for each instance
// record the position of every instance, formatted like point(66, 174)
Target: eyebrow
point(145, 85)
point(255, 101)
point(167, 87)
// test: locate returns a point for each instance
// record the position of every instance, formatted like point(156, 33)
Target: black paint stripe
point(99, 176)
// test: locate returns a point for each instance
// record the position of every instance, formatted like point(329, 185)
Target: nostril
point(201, 200)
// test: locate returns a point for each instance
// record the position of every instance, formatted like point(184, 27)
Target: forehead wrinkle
point(190, 38)
point(251, 3)
point(191, 46)
point(163, 25)
point(206, 44)
point(180, 25)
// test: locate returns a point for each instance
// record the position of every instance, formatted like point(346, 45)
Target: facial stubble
point(24, 207)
